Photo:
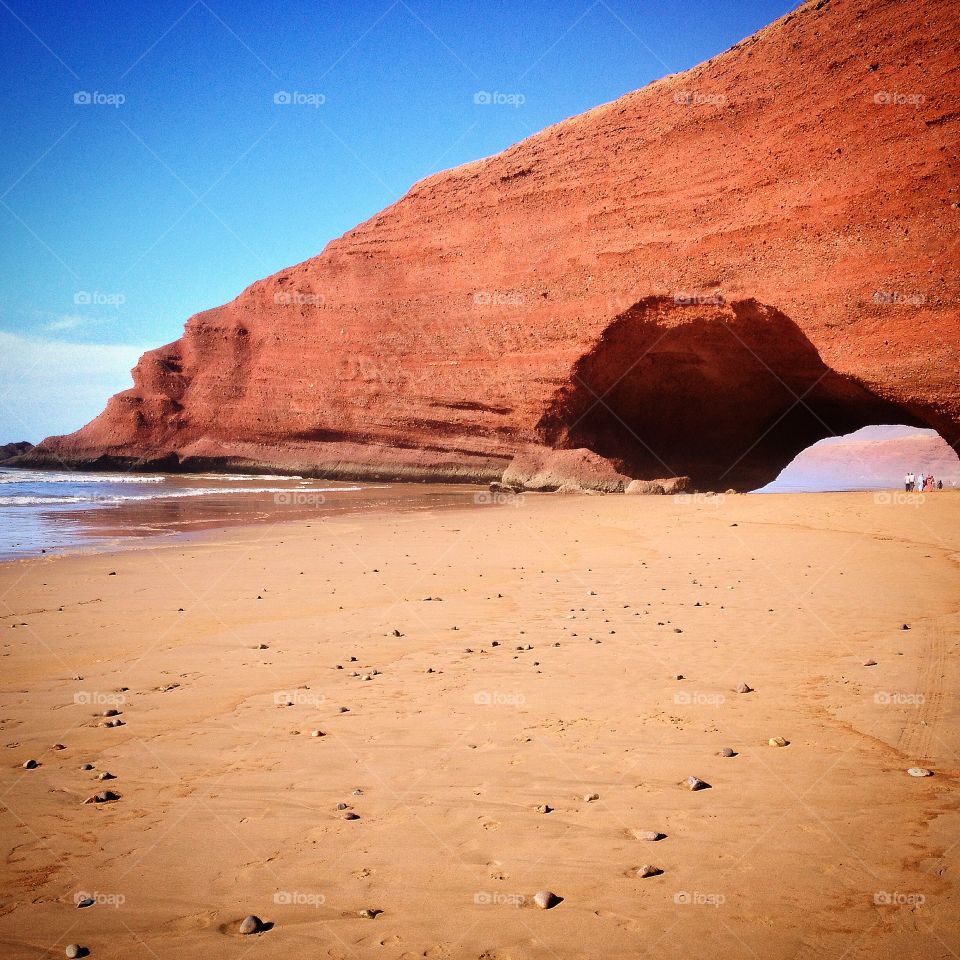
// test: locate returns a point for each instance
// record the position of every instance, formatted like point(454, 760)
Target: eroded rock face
point(698, 279)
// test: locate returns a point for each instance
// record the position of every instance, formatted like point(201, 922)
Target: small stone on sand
point(648, 871)
point(105, 775)
point(728, 752)
point(545, 899)
point(74, 950)
point(350, 815)
point(695, 783)
point(87, 766)
point(369, 913)
point(105, 796)
point(777, 742)
point(544, 808)
point(317, 733)
point(590, 797)
point(30, 764)
point(920, 772)
point(869, 663)
point(744, 688)
point(652, 835)
point(250, 924)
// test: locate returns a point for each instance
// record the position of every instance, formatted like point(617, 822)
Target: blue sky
point(177, 180)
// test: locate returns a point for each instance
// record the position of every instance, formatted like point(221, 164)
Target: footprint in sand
point(489, 824)
point(193, 921)
point(623, 922)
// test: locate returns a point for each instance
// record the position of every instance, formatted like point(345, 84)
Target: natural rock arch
point(727, 394)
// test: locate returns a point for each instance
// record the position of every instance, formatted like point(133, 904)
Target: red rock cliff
point(701, 278)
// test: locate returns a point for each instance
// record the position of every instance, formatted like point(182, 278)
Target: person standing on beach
point(908, 483)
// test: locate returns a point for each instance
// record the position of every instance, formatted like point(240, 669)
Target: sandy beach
point(475, 675)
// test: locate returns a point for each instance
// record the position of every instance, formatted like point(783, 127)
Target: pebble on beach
point(920, 772)
point(30, 764)
point(869, 663)
point(251, 924)
point(74, 950)
point(695, 783)
point(648, 871)
point(545, 899)
point(777, 742)
point(369, 913)
point(728, 752)
point(744, 688)
point(651, 835)
point(105, 796)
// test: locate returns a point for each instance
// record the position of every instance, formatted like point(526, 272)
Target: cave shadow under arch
point(727, 394)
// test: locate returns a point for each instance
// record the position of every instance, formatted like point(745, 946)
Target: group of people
point(921, 483)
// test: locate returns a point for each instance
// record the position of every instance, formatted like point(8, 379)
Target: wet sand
point(228, 806)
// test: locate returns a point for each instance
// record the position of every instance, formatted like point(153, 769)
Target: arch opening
point(877, 457)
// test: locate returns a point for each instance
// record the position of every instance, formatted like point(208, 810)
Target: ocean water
point(45, 511)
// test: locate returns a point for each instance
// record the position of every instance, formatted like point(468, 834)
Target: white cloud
point(67, 321)
point(52, 386)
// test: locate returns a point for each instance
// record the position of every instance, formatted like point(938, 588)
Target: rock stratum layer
point(700, 278)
